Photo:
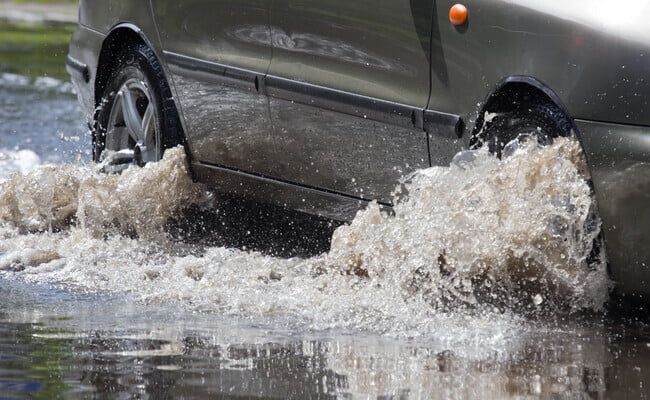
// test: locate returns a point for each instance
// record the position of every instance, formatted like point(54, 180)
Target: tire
point(544, 121)
point(136, 119)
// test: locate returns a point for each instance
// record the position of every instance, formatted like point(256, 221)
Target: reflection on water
point(54, 344)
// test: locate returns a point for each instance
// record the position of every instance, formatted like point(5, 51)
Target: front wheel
point(137, 119)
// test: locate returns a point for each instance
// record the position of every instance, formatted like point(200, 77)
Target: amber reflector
point(458, 14)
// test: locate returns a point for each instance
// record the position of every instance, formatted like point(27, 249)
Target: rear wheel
point(541, 121)
point(136, 120)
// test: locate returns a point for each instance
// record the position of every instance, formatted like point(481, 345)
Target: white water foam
point(21, 161)
point(41, 83)
point(469, 242)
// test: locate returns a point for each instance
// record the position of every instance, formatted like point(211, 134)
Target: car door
point(218, 51)
point(348, 84)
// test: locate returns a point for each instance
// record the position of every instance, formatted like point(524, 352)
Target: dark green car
point(322, 105)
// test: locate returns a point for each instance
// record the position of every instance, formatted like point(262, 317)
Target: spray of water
point(515, 232)
point(482, 235)
point(137, 202)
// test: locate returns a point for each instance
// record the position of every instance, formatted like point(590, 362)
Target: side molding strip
point(344, 102)
point(74, 65)
point(239, 77)
point(433, 122)
point(443, 124)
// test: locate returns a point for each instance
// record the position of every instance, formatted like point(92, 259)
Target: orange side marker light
point(458, 14)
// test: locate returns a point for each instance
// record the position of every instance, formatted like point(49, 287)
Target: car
point(321, 106)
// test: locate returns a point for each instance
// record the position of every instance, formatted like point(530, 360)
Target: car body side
point(595, 65)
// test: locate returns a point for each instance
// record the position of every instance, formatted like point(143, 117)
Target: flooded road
point(481, 285)
point(88, 344)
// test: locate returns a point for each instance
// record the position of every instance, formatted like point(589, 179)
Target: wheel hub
point(131, 136)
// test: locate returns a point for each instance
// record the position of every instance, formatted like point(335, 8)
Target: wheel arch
point(122, 39)
point(509, 96)
point(515, 91)
point(120, 36)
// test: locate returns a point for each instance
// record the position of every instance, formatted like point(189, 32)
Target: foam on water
point(21, 161)
point(510, 232)
point(139, 201)
point(41, 83)
point(468, 243)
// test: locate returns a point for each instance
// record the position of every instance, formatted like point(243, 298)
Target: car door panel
point(347, 160)
point(369, 64)
point(218, 52)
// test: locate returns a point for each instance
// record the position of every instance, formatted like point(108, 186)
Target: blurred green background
point(36, 47)
point(45, 1)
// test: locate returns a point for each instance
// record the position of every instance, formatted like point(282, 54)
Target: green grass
point(34, 49)
point(48, 1)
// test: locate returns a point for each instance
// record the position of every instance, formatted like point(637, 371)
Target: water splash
point(22, 161)
point(482, 235)
point(137, 202)
point(518, 232)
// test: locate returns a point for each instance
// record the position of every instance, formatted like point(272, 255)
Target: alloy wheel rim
point(131, 135)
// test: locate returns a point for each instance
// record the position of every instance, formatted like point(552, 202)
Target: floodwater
point(146, 285)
